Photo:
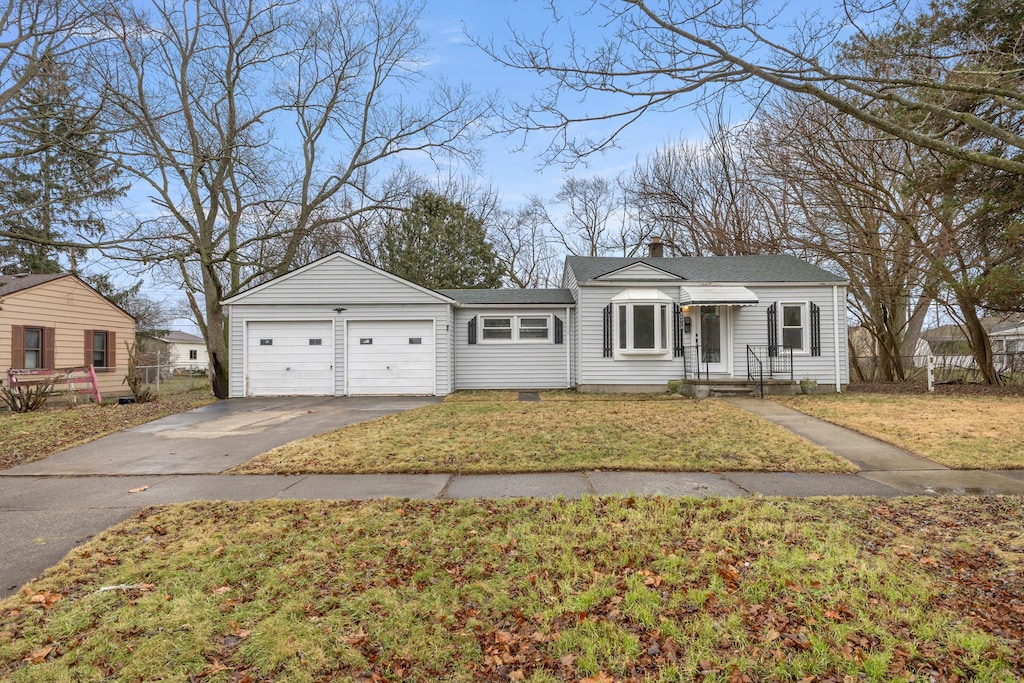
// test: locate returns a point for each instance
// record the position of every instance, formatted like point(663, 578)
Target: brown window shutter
point(17, 346)
point(49, 344)
point(111, 349)
point(88, 348)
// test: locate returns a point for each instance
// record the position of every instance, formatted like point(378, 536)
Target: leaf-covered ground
point(603, 589)
point(26, 437)
point(483, 432)
point(958, 431)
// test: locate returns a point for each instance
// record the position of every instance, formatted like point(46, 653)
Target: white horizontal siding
point(242, 313)
point(510, 365)
point(338, 281)
point(594, 368)
point(750, 326)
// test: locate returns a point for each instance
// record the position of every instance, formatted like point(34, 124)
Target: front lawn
point(602, 589)
point(487, 432)
point(962, 432)
point(26, 437)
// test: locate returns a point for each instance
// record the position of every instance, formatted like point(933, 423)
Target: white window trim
point(805, 326)
point(514, 322)
point(641, 354)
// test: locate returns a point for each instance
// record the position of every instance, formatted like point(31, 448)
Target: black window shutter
point(472, 330)
point(773, 329)
point(677, 332)
point(815, 329)
point(607, 329)
point(559, 335)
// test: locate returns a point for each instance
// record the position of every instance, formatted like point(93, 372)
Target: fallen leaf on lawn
point(138, 489)
point(46, 599)
point(214, 667)
point(599, 677)
point(221, 590)
point(38, 656)
point(813, 557)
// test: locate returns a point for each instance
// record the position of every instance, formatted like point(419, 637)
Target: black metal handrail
point(692, 361)
point(777, 361)
point(753, 362)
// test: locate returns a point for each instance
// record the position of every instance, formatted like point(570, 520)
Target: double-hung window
point(515, 328)
point(643, 322)
point(33, 338)
point(794, 326)
point(99, 350)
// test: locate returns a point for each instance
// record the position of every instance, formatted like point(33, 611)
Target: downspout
point(835, 335)
point(568, 350)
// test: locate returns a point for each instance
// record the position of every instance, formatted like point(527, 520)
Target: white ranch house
point(340, 326)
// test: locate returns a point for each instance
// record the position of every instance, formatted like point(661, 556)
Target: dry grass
point(27, 437)
point(488, 432)
point(602, 589)
point(962, 432)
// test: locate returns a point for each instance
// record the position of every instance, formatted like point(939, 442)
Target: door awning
point(716, 295)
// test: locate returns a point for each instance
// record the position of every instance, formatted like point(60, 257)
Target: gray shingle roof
point(177, 337)
point(15, 283)
point(514, 297)
point(776, 268)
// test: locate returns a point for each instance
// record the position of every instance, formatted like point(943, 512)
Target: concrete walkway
point(49, 507)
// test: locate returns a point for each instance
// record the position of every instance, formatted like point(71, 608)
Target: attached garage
point(390, 357)
point(339, 326)
point(290, 358)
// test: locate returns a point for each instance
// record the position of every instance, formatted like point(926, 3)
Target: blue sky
point(516, 173)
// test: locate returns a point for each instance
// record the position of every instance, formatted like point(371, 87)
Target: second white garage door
point(390, 357)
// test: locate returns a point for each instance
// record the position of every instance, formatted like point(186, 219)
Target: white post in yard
point(931, 373)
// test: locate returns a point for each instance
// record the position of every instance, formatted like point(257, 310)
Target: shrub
point(24, 398)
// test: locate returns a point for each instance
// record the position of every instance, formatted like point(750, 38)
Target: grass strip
point(554, 435)
point(602, 589)
point(961, 432)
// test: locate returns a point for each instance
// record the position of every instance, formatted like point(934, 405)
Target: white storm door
point(390, 357)
point(293, 358)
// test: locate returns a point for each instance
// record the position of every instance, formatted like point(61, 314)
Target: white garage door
point(390, 357)
point(294, 358)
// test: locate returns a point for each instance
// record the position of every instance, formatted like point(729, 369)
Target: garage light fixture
point(339, 309)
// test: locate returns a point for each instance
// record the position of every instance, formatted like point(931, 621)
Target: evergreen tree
point(56, 182)
point(439, 244)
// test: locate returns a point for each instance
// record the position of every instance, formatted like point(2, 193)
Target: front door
point(714, 346)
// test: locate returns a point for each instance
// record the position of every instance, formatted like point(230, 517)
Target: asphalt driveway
point(214, 438)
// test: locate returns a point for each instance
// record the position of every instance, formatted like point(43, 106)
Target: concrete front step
point(733, 390)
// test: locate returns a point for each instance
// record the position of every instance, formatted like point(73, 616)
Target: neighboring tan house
point(181, 351)
point(340, 326)
point(57, 321)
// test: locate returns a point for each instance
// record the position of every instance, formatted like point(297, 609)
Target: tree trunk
point(981, 347)
point(218, 347)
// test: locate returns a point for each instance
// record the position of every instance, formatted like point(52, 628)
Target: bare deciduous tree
point(523, 244)
point(254, 124)
point(854, 208)
point(704, 199)
point(660, 56)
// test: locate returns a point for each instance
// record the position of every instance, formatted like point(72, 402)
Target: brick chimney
point(656, 249)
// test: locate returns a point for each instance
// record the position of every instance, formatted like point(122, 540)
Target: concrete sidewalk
point(46, 510)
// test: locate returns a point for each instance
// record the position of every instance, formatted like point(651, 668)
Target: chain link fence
point(955, 368)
